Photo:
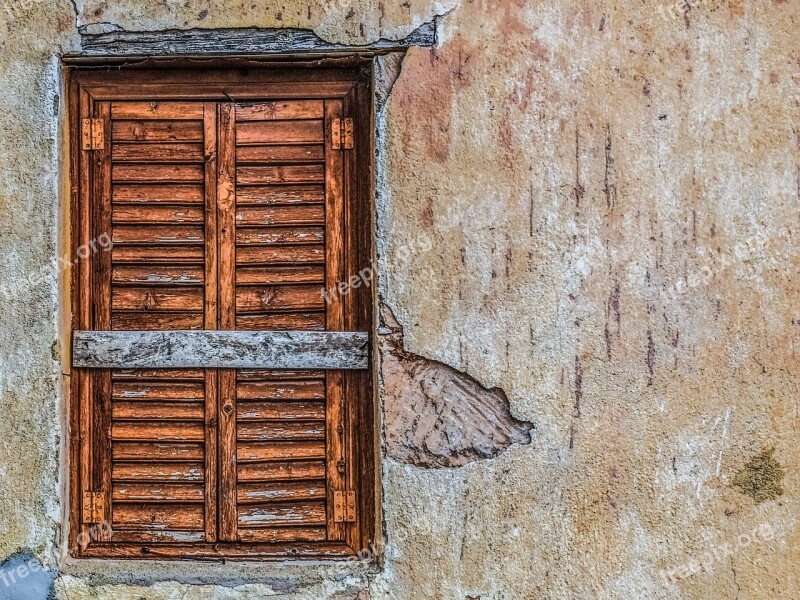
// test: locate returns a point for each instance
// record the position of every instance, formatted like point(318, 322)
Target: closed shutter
point(232, 215)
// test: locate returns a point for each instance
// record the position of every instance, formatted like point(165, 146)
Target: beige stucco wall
point(594, 206)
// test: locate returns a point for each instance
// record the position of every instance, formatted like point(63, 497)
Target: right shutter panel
point(285, 214)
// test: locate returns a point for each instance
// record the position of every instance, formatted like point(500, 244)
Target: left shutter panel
point(154, 186)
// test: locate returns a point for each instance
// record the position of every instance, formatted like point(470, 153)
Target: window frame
point(219, 80)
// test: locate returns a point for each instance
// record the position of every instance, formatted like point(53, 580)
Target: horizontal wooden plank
point(164, 152)
point(150, 536)
point(280, 109)
point(157, 131)
point(280, 194)
point(252, 299)
point(280, 174)
point(279, 132)
point(247, 452)
point(158, 375)
point(157, 299)
point(181, 411)
point(157, 432)
point(255, 493)
point(220, 349)
point(157, 234)
point(156, 173)
point(257, 236)
point(223, 551)
point(280, 431)
point(157, 390)
point(275, 375)
point(300, 321)
point(311, 389)
point(157, 516)
point(273, 275)
point(176, 254)
point(276, 515)
point(142, 213)
point(157, 452)
point(172, 193)
point(280, 411)
point(157, 110)
point(157, 274)
point(312, 214)
point(249, 40)
point(162, 471)
point(151, 321)
point(259, 155)
point(157, 492)
point(266, 255)
point(282, 534)
point(278, 471)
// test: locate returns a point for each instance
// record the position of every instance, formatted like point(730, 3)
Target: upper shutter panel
point(160, 275)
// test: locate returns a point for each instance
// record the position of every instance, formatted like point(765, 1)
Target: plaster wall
point(594, 206)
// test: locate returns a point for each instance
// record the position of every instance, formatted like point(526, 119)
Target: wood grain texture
point(220, 349)
point(238, 41)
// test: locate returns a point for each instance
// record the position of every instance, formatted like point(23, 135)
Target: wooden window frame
point(350, 79)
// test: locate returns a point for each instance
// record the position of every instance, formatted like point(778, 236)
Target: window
point(238, 204)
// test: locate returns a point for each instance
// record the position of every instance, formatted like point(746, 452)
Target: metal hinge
point(94, 507)
point(92, 134)
point(344, 507)
point(342, 134)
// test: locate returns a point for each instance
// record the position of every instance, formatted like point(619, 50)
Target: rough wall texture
point(594, 206)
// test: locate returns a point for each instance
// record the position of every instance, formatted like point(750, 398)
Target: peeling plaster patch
point(387, 70)
point(436, 416)
point(760, 478)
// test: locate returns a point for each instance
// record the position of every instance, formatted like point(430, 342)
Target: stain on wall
point(760, 477)
point(593, 206)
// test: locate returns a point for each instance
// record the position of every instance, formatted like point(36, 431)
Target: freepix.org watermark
point(50, 271)
point(718, 552)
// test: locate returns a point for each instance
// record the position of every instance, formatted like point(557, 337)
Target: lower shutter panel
point(281, 456)
point(158, 456)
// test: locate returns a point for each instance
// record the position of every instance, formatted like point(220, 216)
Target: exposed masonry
point(237, 41)
point(436, 416)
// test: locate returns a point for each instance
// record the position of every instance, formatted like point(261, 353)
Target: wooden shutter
point(225, 215)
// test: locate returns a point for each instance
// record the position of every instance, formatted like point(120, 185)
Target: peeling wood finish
point(436, 416)
point(238, 42)
point(186, 349)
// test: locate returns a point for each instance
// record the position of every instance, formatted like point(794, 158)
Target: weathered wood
point(266, 515)
point(220, 349)
point(307, 321)
point(279, 132)
point(278, 451)
point(280, 194)
point(279, 154)
point(295, 470)
point(238, 41)
point(279, 110)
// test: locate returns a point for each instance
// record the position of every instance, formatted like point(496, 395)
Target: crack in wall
point(436, 416)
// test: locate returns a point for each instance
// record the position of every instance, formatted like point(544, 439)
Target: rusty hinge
point(94, 507)
point(344, 507)
point(342, 134)
point(92, 134)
